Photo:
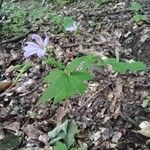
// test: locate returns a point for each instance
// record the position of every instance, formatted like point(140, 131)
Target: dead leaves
point(145, 128)
point(115, 98)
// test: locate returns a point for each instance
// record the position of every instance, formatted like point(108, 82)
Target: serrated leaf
point(65, 131)
point(136, 66)
point(116, 65)
point(61, 85)
point(47, 95)
point(60, 146)
point(122, 67)
point(135, 6)
point(81, 63)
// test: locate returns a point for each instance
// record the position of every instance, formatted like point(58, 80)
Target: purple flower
point(38, 47)
point(73, 27)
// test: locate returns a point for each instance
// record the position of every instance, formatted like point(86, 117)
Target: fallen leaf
point(145, 128)
point(62, 111)
point(116, 137)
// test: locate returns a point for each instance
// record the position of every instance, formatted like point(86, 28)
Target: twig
point(107, 13)
point(82, 43)
point(18, 38)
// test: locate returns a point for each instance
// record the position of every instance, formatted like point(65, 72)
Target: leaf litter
point(110, 114)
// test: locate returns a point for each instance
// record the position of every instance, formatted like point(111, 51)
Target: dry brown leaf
point(116, 137)
point(4, 85)
point(62, 111)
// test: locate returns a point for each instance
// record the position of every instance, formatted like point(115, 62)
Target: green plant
point(21, 69)
point(39, 13)
point(137, 17)
point(69, 81)
point(61, 22)
point(123, 67)
point(54, 63)
point(135, 6)
point(16, 19)
point(21, 16)
point(64, 133)
point(62, 146)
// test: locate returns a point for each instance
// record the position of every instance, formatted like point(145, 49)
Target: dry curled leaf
point(4, 85)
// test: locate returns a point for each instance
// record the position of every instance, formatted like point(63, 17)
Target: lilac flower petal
point(28, 53)
point(32, 45)
point(38, 48)
point(46, 40)
point(38, 39)
point(33, 48)
point(40, 53)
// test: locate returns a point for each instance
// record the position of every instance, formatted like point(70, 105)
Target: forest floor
point(108, 115)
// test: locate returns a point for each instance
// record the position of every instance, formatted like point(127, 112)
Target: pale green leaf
point(72, 129)
point(60, 146)
point(116, 65)
point(136, 66)
point(122, 67)
point(65, 131)
point(135, 6)
point(139, 17)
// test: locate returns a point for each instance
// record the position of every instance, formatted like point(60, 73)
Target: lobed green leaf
point(61, 85)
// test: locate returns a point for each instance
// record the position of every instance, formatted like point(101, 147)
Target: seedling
point(70, 81)
point(64, 24)
point(137, 17)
